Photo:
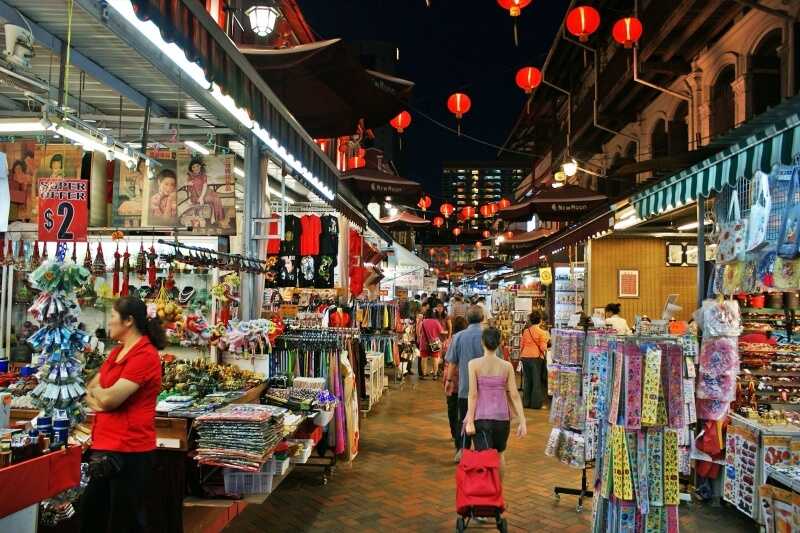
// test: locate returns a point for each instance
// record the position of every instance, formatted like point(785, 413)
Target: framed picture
point(691, 254)
point(627, 283)
point(674, 254)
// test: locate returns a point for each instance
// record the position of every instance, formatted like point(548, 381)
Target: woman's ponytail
point(134, 308)
point(155, 331)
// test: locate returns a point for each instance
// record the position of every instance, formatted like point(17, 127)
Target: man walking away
point(464, 347)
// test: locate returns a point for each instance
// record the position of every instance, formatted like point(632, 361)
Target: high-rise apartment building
point(481, 182)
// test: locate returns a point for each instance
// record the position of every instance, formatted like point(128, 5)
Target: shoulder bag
point(434, 345)
point(788, 243)
point(732, 234)
point(759, 213)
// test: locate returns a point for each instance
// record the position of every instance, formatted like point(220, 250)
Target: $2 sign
point(63, 209)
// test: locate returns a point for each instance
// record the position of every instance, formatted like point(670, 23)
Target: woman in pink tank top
point(492, 396)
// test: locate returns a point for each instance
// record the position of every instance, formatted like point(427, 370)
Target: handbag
point(732, 234)
point(788, 243)
point(759, 214)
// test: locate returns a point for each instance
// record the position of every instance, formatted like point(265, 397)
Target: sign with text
point(546, 275)
point(63, 209)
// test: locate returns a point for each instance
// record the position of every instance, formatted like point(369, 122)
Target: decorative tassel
point(126, 273)
point(35, 259)
point(516, 37)
point(44, 252)
point(115, 279)
point(99, 265)
point(87, 259)
point(141, 263)
point(75, 252)
point(10, 253)
point(20, 263)
point(151, 267)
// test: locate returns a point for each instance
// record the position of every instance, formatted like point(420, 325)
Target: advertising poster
point(161, 191)
point(22, 165)
point(128, 199)
point(63, 209)
point(206, 200)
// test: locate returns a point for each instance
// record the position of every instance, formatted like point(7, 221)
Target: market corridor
point(403, 480)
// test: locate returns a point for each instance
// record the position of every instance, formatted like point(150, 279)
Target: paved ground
point(403, 480)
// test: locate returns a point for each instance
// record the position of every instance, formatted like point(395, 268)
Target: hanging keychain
point(115, 278)
point(87, 259)
point(126, 272)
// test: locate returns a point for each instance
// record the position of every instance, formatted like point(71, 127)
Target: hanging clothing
point(309, 237)
point(290, 245)
point(273, 245)
point(329, 237)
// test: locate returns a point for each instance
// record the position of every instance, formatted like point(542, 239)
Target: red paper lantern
point(456, 231)
point(583, 21)
point(528, 78)
point(486, 234)
point(401, 121)
point(438, 221)
point(459, 104)
point(494, 208)
point(478, 244)
point(356, 162)
point(509, 235)
point(432, 251)
point(627, 31)
point(447, 209)
point(486, 210)
point(424, 202)
point(503, 203)
point(514, 7)
point(467, 212)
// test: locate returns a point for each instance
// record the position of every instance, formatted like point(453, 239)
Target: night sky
point(455, 45)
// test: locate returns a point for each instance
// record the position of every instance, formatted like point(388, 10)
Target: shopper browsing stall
point(123, 396)
point(615, 321)
point(492, 396)
point(533, 352)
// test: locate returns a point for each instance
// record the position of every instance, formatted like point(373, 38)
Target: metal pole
point(146, 125)
point(701, 250)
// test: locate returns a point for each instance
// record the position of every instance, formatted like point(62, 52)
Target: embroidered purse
point(732, 234)
point(759, 214)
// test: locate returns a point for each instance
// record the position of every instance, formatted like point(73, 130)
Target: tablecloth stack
point(240, 436)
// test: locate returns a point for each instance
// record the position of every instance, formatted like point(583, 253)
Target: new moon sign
point(63, 209)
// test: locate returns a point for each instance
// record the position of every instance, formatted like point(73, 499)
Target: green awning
point(778, 143)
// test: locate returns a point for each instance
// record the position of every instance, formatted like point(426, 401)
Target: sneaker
point(458, 457)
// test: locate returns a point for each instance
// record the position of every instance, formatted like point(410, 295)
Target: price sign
point(546, 275)
point(63, 209)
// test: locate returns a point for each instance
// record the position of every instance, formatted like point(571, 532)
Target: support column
point(694, 81)
point(344, 255)
point(701, 250)
point(98, 207)
point(252, 290)
point(742, 97)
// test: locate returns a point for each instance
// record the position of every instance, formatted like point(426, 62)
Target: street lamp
point(570, 168)
point(262, 19)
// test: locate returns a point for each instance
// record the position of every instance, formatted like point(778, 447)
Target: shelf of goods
point(624, 406)
point(751, 448)
point(569, 287)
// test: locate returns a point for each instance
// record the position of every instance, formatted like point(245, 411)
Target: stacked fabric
point(240, 436)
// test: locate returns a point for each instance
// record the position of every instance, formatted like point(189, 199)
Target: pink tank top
point(492, 400)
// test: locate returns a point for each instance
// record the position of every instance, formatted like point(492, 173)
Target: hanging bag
point(434, 345)
point(788, 243)
point(732, 234)
point(759, 214)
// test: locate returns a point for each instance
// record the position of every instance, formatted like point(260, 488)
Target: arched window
point(679, 130)
point(723, 107)
point(766, 69)
point(659, 143)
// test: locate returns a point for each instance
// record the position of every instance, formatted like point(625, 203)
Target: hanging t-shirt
point(307, 271)
point(309, 239)
point(287, 276)
point(324, 274)
point(290, 245)
point(273, 245)
point(329, 239)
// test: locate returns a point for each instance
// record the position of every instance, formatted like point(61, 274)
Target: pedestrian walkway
point(403, 480)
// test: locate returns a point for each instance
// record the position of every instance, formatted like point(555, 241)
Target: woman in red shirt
point(430, 337)
point(123, 397)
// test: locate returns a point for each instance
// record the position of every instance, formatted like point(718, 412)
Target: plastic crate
point(278, 467)
point(308, 447)
point(240, 482)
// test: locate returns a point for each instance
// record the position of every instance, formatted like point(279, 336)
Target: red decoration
point(583, 21)
point(478, 244)
point(401, 121)
point(627, 31)
point(459, 104)
point(514, 7)
point(432, 251)
point(356, 162)
point(494, 208)
point(509, 235)
point(447, 210)
point(467, 212)
point(503, 203)
point(456, 231)
point(438, 221)
point(486, 210)
point(486, 234)
point(424, 202)
point(528, 78)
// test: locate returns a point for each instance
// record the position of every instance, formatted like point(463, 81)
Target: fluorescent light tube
point(273, 192)
point(13, 125)
point(199, 148)
point(238, 171)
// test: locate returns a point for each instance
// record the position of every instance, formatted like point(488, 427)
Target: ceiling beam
point(695, 23)
point(42, 36)
point(665, 28)
point(10, 104)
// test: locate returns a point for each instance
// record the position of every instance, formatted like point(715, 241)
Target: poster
point(628, 284)
point(206, 200)
point(128, 199)
point(22, 165)
point(63, 209)
point(161, 191)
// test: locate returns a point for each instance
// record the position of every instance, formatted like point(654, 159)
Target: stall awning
point(549, 204)
point(526, 240)
point(583, 231)
point(403, 219)
point(377, 179)
point(404, 258)
point(775, 144)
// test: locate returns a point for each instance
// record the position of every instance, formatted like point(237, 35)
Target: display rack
point(568, 294)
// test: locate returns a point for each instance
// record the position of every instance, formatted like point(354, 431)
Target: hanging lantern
point(357, 161)
point(486, 234)
point(583, 21)
point(627, 31)
point(456, 231)
point(401, 121)
point(424, 202)
point(478, 244)
point(438, 221)
point(459, 104)
point(503, 203)
point(447, 209)
point(486, 210)
point(528, 78)
point(514, 8)
point(432, 251)
point(508, 235)
point(467, 212)
point(494, 208)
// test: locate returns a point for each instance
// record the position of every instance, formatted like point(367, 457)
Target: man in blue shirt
point(465, 346)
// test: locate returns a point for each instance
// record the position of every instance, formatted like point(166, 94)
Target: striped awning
point(777, 144)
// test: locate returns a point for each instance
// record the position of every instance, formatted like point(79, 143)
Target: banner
point(63, 209)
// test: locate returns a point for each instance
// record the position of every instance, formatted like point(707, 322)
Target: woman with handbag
point(493, 395)
point(123, 397)
point(430, 342)
point(533, 353)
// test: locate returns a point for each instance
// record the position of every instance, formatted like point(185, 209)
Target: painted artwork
point(51, 161)
point(128, 200)
point(22, 164)
point(206, 200)
point(161, 191)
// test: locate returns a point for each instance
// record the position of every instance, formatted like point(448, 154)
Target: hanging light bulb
point(570, 168)
point(262, 19)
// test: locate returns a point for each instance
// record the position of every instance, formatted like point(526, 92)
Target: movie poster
point(161, 191)
point(128, 200)
point(50, 161)
point(206, 199)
